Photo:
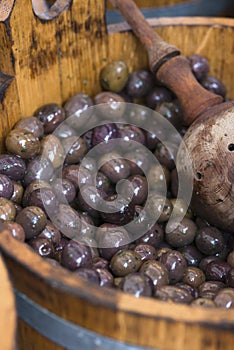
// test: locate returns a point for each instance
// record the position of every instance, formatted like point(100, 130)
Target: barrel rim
point(62, 280)
point(176, 21)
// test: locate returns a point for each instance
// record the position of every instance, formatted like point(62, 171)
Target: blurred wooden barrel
point(174, 8)
point(7, 311)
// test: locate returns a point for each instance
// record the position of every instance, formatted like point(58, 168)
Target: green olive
point(114, 76)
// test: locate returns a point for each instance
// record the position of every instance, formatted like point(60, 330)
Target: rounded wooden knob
point(210, 143)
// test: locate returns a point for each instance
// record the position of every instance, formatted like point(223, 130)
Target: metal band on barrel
point(62, 332)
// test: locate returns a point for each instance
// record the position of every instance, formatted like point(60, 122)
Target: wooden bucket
point(50, 60)
point(8, 320)
point(174, 8)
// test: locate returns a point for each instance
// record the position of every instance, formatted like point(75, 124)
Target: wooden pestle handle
point(171, 69)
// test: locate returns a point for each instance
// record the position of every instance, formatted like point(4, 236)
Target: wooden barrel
point(174, 8)
point(50, 59)
point(7, 310)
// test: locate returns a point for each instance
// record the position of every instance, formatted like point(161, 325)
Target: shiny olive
point(42, 246)
point(75, 255)
point(32, 219)
point(200, 65)
point(137, 284)
point(157, 95)
point(78, 110)
point(51, 115)
point(175, 264)
point(139, 83)
point(109, 105)
point(23, 143)
point(114, 76)
point(18, 192)
point(7, 209)
point(194, 276)
point(6, 186)
point(52, 149)
point(156, 272)
point(181, 233)
point(12, 166)
point(125, 262)
point(32, 124)
point(39, 168)
point(16, 230)
point(75, 149)
point(174, 294)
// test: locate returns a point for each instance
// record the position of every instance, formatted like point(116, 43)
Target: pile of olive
point(192, 263)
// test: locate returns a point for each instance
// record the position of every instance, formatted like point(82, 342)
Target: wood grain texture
point(7, 310)
point(51, 61)
point(58, 291)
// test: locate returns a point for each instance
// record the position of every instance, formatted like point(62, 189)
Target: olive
point(135, 189)
point(209, 240)
point(114, 76)
point(208, 289)
point(16, 230)
point(67, 221)
point(88, 200)
point(64, 190)
point(100, 263)
point(102, 135)
point(88, 274)
point(104, 184)
point(172, 112)
point(34, 185)
point(7, 209)
point(23, 143)
point(52, 149)
point(18, 192)
point(78, 110)
point(75, 255)
point(214, 85)
point(157, 95)
point(156, 272)
point(105, 276)
point(32, 219)
point(137, 284)
point(75, 149)
point(109, 105)
point(192, 255)
point(158, 207)
point(230, 258)
point(225, 298)
point(32, 124)
point(200, 65)
point(12, 166)
point(175, 264)
point(139, 83)
point(45, 199)
point(111, 238)
point(203, 302)
point(179, 234)
point(50, 115)
point(116, 210)
point(166, 154)
point(146, 251)
point(114, 167)
point(39, 168)
point(174, 294)
point(217, 270)
point(77, 174)
point(158, 177)
point(130, 136)
point(194, 276)
point(6, 186)
point(42, 246)
point(154, 236)
point(124, 262)
point(138, 161)
point(51, 233)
